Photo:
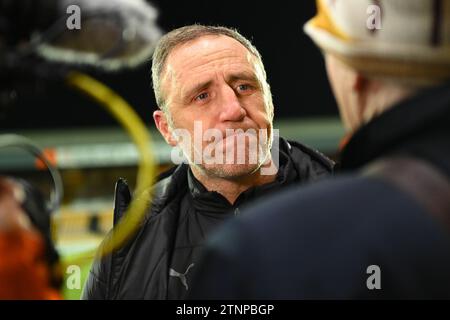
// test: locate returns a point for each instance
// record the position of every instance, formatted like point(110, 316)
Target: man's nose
point(230, 107)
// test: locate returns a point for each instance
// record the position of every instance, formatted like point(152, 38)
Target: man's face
point(214, 85)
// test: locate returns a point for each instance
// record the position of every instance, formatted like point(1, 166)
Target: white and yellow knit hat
point(408, 39)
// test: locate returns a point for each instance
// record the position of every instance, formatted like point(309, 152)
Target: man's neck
point(231, 188)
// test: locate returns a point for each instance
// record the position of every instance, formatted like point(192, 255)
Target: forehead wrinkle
point(233, 73)
point(204, 42)
point(213, 64)
point(190, 55)
point(210, 71)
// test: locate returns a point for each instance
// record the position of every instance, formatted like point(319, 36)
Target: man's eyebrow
point(195, 88)
point(249, 76)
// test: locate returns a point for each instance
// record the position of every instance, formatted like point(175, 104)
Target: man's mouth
point(236, 138)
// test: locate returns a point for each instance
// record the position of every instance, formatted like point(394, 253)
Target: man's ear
point(163, 127)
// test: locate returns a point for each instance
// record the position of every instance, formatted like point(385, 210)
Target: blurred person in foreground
point(29, 267)
point(215, 104)
point(382, 228)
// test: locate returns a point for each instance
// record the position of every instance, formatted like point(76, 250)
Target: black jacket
point(320, 241)
point(157, 262)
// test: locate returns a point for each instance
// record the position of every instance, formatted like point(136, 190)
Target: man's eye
point(243, 87)
point(202, 96)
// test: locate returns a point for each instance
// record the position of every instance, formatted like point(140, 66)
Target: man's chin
point(230, 171)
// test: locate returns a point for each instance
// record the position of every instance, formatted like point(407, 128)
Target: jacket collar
point(400, 128)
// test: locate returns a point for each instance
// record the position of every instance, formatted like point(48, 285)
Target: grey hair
point(186, 34)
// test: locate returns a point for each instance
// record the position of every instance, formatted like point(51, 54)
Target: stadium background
point(96, 151)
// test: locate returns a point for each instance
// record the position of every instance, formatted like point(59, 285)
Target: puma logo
point(182, 276)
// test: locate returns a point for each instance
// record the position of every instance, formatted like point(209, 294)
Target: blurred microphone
point(105, 34)
point(109, 34)
point(40, 40)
